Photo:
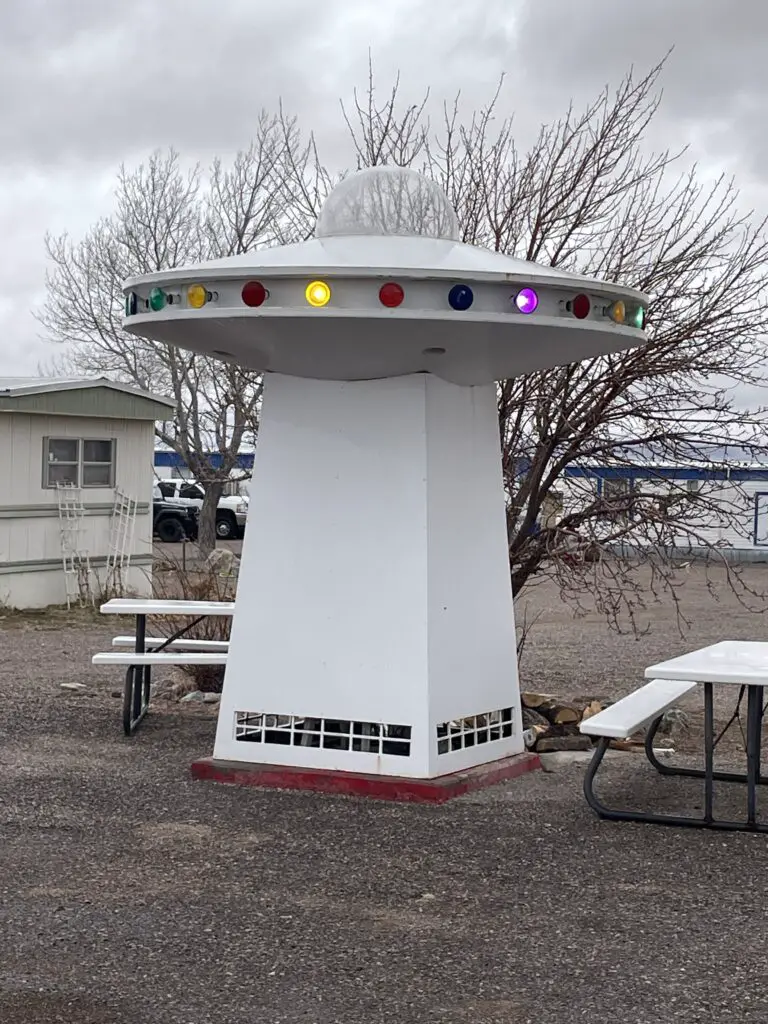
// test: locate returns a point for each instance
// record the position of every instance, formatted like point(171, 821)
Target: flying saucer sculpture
point(374, 627)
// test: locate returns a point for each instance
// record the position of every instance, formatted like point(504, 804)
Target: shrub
point(214, 579)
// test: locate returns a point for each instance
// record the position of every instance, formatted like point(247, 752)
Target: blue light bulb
point(460, 297)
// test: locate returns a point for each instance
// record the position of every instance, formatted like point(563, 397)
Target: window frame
point(80, 464)
point(624, 488)
point(49, 485)
point(189, 485)
point(112, 464)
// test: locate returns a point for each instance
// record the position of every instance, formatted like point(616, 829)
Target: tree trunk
point(206, 537)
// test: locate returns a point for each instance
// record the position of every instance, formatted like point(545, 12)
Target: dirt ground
point(130, 893)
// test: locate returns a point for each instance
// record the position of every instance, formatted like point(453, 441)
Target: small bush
point(212, 580)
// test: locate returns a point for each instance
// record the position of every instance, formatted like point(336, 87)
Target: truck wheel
point(226, 528)
point(170, 531)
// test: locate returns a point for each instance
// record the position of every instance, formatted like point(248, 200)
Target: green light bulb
point(638, 318)
point(156, 299)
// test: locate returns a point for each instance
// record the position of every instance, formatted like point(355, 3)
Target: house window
point(98, 463)
point(615, 490)
point(617, 499)
point(79, 462)
point(62, 461)
point(693, 486)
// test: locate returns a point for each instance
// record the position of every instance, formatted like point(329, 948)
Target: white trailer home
point(732, 483)
point(76, 473)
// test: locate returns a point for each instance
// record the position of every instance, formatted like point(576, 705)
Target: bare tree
point(588, 197)
point(166, 218)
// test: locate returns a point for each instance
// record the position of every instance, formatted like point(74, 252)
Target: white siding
point(21, 455)
point(734, 528)
point(29, 524)
point(40, 589)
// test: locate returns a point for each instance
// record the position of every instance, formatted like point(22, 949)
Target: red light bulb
point(581, 307)
point(254, 293)
point(391, 294)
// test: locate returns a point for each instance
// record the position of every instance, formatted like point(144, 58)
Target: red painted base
point(381, 787)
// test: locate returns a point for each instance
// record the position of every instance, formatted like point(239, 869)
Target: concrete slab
point(380, 787)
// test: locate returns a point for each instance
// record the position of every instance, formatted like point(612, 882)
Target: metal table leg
point(664, 768)
point(709, 750)
point(708, 821)
point(754, 736)
point(138, 678)
point(138, 681)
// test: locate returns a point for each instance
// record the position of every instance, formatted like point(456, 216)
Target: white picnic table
point(731, 663)
point(148, 651)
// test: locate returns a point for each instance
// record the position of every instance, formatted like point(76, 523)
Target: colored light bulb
point(618, 312)
point(318, 293)
point(526, 300)
point(391, 294)
point(197, 296)
point(637, 318)
point(581, 307)
point(254, 293)
point(157, 299)
point(460, 297)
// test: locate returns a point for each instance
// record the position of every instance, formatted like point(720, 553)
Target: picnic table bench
point(730, 663)
point(144, 651)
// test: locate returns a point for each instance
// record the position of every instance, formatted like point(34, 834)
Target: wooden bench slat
point(161, 658)
point(637, 709)
point(177, 645)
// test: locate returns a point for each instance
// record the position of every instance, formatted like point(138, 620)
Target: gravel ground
point(129, 893)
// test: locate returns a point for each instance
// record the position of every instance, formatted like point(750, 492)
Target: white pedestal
point(374, 627)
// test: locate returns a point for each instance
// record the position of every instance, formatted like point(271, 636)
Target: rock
point(76, 687)
point(211, 698)
point(549, 744)
point(532, 718)
point(564, 758)
point(673, 723)
point(530, 736)
point(221, 561)
point(195, 697)
point(168, 689)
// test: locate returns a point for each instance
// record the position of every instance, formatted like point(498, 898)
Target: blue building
point(731, 475)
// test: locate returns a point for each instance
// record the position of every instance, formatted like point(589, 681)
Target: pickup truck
point(230, 514)
point(172, 523)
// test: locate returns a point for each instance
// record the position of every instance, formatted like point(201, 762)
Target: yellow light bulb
point(197, 296)
point(318, 293)
point(618, 312)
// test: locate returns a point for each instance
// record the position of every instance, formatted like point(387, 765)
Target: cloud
point(94, 84)
point(715, 82)
point(111, 79)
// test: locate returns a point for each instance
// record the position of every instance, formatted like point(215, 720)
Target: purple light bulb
point(526, 300)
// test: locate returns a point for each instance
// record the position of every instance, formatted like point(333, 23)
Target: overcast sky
point(88, 84)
